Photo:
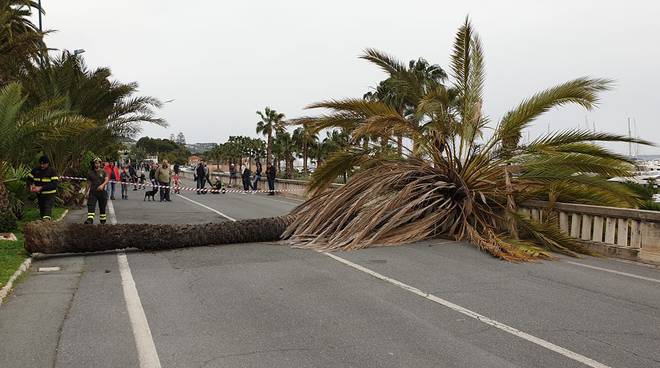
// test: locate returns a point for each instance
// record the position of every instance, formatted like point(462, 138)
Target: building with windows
point(200, 147)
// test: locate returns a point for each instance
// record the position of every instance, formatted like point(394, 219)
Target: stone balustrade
point(285, 187)
point(627, 233)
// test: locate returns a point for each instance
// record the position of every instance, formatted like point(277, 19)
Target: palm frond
point(337, 164)
point(580, 136)
point(386, 62)
point(582, 91)
point(550, 237)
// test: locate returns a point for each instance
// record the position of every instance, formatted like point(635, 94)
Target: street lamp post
point(40, 29)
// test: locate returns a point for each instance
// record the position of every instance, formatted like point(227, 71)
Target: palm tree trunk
point(269, 147)
point(305, 158)
point(60, 237)
point(289, 168)
point(399, 145)
point(4, 196)
point(7, 217)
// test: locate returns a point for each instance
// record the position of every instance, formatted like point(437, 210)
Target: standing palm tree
point(286, 147)
point(305, 139)
point(271, 122)
point(395, 91)
point(25, 132)
point(456, 183)
point(20, 39)
point(114, 107)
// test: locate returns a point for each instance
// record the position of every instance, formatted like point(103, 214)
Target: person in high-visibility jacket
point(98, 180)
point(43, 181)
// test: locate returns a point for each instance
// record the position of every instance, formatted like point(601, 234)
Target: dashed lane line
point(144, 341)
point(111, 213)
point(207, 207)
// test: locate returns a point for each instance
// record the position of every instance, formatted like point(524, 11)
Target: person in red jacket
point(112, 172)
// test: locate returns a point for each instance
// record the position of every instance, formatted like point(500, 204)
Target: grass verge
point(12, 253)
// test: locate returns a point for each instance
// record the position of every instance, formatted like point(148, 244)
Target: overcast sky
point(221, 61)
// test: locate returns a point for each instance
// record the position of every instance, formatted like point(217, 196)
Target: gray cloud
point(222, 61)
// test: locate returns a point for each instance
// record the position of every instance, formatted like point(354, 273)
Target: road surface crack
point(60, 330)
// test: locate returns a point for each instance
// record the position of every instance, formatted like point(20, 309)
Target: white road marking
point(208, 208)
point(506, 328)
point(636, 263)
point(111, 213)
point(48, 269)
point(614, 271)
point(144, 342)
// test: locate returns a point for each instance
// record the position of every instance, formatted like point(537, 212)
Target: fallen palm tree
point(462, 178)
point(60, 237)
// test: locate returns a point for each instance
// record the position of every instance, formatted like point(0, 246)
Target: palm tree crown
point(271, 122)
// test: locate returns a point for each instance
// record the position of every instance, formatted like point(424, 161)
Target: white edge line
point(10, 283)
point(636, 263)
point(208, 208)
point(523, 335)
point(66, 210)
point(144, 342)
point(614, 271)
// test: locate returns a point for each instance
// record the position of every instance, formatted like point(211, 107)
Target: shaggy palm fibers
point(59, 237)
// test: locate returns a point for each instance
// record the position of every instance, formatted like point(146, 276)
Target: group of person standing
point(251, 183)
point(165, 177)
point(102, 177)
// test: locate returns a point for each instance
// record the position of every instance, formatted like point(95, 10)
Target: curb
point(22, 268)
point(8, 286)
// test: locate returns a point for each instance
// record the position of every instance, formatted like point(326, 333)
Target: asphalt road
point(433, 304)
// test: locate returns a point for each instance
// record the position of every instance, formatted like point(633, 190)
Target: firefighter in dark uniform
point(97, 179)
point(43, 181)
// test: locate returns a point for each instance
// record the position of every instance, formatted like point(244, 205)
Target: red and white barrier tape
point(179, 188)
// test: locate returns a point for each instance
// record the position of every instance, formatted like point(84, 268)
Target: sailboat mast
point(629, 143)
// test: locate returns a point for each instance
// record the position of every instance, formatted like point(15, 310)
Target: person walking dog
point(163, 176)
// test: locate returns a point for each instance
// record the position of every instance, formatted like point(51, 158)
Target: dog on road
point(151, 194)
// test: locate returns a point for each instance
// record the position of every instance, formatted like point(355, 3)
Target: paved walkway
point(433, 304)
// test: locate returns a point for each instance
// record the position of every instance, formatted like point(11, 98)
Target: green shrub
point(7, 221)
